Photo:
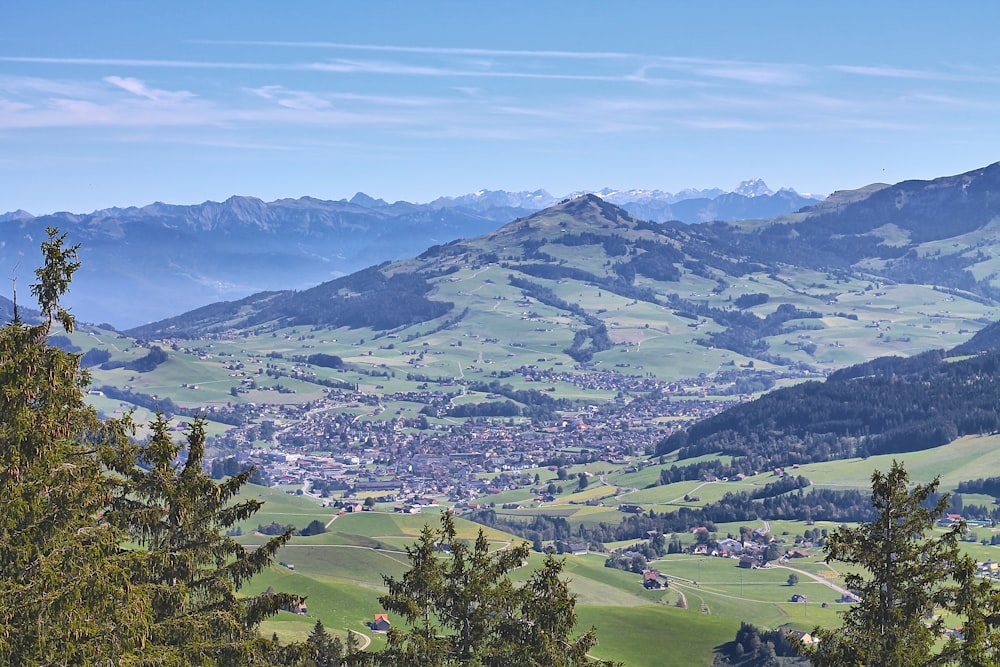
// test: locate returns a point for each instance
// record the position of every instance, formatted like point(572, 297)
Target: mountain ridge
point(648, 261)
point(180, 257)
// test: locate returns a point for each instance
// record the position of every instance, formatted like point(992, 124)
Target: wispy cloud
point(293, 99)
point(336, 66)
point(886, 72)
point(142, 62)
point(707, 70)
point(343, 66)
point(934, 99)
point(724, 124)
point(140, 89)
point(434, 50)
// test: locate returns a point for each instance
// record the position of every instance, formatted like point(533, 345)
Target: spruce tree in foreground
point(463, 609)
point(103, 562)
point(63, 579)
point(178, 516)
point(907, 578)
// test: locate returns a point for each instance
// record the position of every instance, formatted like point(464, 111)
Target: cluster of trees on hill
point(153, 358)
point(989, 486)
point(587, 342)
point(744, 381)
point(658, 262)
point(641, 553)
point(528, 397)
point(485, 409)
point(751, 300)
point(166, 405)
point(533, 408)
point(614, 244)
point(545, 295)
point(620, 284)
point(368, 298)
point(745, 332)
point(325, 360)
point(754, 647)
point(887, 406)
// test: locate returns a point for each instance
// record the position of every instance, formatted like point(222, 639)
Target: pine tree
point(101, 561)
point(320, 646)
point(463, 609)
point(906, 578)
point(177, 515)
point(549, 609)
point(62, 575)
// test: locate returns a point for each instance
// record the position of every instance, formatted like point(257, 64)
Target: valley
point(499, 335)
point(533, 380)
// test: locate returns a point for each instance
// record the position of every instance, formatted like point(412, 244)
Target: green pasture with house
point(341, 571)
point(341, 574)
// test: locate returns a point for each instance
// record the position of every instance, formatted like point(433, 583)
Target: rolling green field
point(341, 571)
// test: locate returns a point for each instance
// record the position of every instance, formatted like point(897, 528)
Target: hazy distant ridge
point(145, 263)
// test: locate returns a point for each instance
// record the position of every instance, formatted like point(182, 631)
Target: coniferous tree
point(550, 611)
point(462, 608)
point(177, 515)
point(62, 576)
point(103, 562)
point(905, 578)
point(320, 646)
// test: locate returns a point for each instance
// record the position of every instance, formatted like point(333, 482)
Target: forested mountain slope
point(885, 406)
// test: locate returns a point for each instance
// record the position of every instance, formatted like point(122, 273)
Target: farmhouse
point(381, 623)
point(651, 580)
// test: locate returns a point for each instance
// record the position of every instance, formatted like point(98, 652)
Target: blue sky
point(124, 103)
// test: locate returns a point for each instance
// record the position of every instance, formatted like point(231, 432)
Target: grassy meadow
point(706, 597)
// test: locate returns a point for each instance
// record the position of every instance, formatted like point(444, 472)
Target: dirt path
point(365, 639)
point(814, 577)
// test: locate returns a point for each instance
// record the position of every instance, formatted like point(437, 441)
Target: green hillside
point(701, 608)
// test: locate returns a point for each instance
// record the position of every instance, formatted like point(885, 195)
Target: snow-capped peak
point(755, 187)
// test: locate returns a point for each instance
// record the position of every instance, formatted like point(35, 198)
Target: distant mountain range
point(751, 199)
point(145, 263)
point(941, 235)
